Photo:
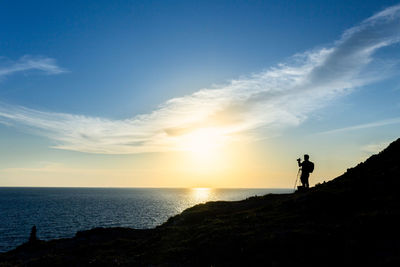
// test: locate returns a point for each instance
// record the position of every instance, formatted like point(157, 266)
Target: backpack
point(309, 167)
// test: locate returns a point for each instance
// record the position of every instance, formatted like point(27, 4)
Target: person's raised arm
point(299, 162)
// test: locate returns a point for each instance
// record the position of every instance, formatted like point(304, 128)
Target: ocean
point(61, 212)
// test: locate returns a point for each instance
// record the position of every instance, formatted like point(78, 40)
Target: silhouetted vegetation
point(33, 237)
point(351, 220)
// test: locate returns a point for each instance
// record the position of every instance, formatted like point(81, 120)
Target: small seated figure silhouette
point(307, 167)
point(32, 237)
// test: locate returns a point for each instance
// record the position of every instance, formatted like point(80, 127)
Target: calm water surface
point(61, 212)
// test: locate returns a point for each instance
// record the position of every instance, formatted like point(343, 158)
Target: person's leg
point(306, 185)
point(303, 180)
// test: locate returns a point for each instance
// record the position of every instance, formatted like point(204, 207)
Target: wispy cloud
point(375, 147)
point(26, 63)
point(264, 102)
point(364, 126)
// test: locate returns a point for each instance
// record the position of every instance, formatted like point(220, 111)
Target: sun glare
point(204, 142)
point(205, 153)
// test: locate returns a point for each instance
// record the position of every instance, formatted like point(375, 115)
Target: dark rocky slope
point(351, 220)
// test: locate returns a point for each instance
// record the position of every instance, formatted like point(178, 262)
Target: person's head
point(306, 157)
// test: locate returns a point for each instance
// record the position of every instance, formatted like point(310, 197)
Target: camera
point(299, 159)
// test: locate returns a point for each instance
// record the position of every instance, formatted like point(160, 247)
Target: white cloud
point(279, 97)
point(26, 63)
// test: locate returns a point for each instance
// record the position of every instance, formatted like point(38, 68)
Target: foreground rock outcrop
point(351, 220)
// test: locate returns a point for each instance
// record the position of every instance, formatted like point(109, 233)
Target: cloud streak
point(265, 102)
point(364, 126)
point(27, 63)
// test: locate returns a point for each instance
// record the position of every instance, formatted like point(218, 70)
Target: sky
point(194, 93)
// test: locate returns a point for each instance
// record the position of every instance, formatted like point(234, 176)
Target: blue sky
point(88, 83)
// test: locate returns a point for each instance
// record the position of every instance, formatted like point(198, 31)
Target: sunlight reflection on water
point(201, 194)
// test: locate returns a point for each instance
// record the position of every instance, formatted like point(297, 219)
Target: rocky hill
point(351, 220)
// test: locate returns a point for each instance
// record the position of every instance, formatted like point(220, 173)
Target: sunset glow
point(166, 95)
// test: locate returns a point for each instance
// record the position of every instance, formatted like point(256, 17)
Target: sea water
point(61, 212)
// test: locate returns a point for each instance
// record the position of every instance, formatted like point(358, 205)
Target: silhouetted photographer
point(307, 167)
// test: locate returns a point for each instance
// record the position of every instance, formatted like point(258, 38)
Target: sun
point(205, 142)
point(205, 155)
